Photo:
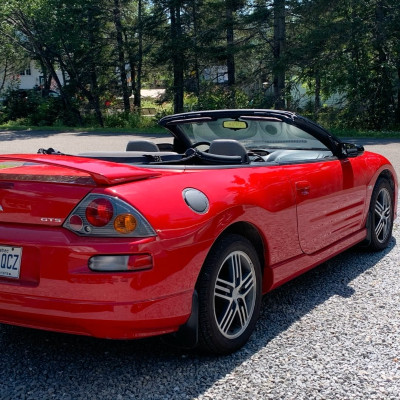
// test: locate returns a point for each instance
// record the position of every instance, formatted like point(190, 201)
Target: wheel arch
point(188, 334)
point(392, 179)
point(251, 233)
point(255, 237)
point(387, 175)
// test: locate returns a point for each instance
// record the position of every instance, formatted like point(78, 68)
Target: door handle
point(303, 187)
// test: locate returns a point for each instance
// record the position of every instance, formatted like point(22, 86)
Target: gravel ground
point(329, 334)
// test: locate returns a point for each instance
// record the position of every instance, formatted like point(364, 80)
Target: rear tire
point(381, 215)
point(229, 289)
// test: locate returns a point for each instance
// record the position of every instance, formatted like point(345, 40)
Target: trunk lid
point(43, 189)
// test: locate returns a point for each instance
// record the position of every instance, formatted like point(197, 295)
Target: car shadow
point(47, 364)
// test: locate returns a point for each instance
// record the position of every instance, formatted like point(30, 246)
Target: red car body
point(296, 214)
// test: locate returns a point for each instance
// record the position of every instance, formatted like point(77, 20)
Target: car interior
point(218, 152)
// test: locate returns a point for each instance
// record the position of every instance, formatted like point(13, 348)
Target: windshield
point(252, 132)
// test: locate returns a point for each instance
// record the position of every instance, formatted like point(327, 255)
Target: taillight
point(103, 215)
point(125, 223)
point(99, 212)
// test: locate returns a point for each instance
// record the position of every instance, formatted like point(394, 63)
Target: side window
point(297, 146)
point(296, 138)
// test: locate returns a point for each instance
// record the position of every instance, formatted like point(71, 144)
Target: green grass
point(352, 133)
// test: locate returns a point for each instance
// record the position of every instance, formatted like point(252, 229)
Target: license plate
point(10, 261)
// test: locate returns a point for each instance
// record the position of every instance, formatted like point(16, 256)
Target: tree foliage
point(265, 50)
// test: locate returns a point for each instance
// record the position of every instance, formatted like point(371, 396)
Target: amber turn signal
point(125, 223)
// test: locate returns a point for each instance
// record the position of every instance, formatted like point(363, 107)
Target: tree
point(138, 82)
point(177, 42)
point(12, 59)
point(279, 46)
point(29, 25)
point(349, 47)
point(121, 54)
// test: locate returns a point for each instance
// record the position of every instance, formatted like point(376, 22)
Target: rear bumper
point(57, 291)
point(104, 320)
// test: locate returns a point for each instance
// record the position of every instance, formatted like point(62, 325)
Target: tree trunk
point(132, 67)
point(317, 105)
point(278, 52)
point(93, 95)
point(230, 57)
point(196, 57)
point(65, 97)
point(177, 58)
point(121, 55)
point(384, 99)
point(138, 83)
point(4, 77)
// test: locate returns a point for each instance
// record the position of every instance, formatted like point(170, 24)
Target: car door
point(330, 200)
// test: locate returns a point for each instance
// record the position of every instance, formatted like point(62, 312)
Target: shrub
point(21, 103)
point(35, 109)
point(115, 120)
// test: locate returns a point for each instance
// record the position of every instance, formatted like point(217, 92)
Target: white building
point(216, 74)
point(26, 79)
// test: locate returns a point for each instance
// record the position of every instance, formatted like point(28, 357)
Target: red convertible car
point(184, 238)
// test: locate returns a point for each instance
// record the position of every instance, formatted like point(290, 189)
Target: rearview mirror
point(235, 125)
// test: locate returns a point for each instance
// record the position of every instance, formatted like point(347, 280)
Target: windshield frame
point(176, 123)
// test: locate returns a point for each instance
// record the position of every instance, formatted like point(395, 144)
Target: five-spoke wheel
point(234, 294)
point(381, 214)
point(229, 290)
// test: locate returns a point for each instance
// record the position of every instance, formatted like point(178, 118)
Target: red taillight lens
point(107, 216)
point(99, 212)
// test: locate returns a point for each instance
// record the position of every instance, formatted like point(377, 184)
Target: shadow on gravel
point(45, 365)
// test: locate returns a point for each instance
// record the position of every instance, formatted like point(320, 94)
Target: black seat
point(229, 147)
point(141, 145)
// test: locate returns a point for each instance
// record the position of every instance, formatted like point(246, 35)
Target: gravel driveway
point(332, 333)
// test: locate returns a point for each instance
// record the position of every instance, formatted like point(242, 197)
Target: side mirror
point(349, 150)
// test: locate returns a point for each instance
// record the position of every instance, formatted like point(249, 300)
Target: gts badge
point(55, 220)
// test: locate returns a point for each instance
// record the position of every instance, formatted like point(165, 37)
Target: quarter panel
point(262, 196)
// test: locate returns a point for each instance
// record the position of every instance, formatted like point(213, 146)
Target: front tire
point(381, 215)
point(229, 289)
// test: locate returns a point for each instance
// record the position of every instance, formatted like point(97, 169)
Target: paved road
point(69, 142)
point(332, 333)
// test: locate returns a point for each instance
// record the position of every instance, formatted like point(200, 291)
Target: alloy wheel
point(383, 215)
point(234, 294)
